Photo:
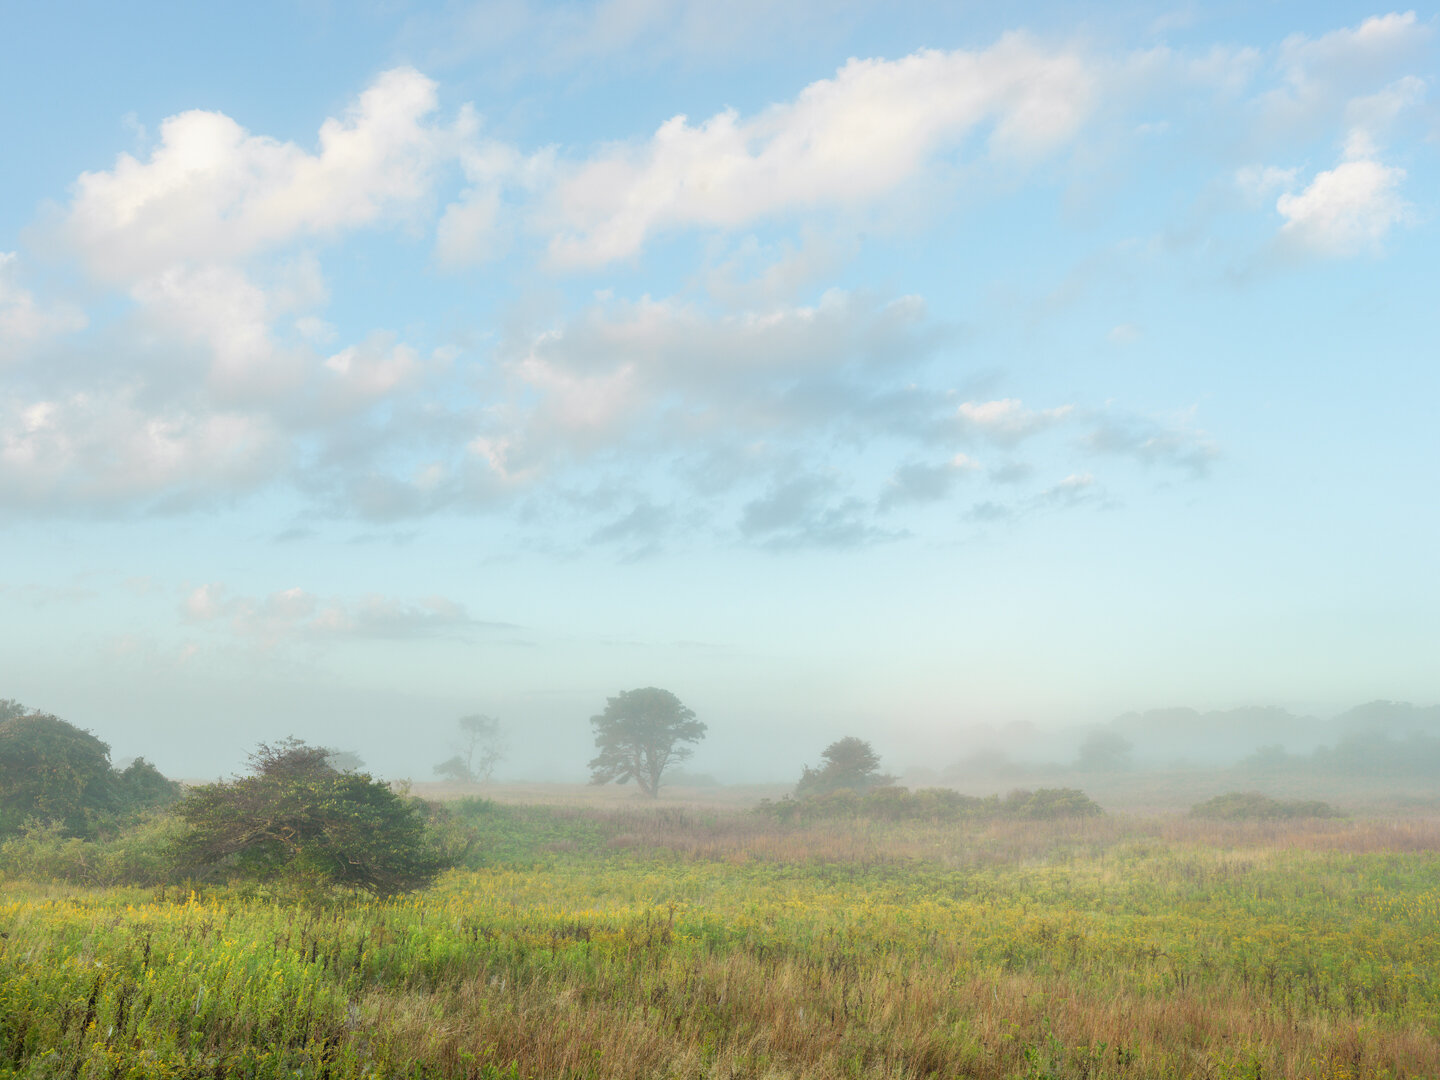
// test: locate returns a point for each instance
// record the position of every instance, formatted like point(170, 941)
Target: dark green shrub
point(1049, 803)
point(141, 786)
point(850, 764)
point(53, 771)
point(300, 821)
point(1253, 806)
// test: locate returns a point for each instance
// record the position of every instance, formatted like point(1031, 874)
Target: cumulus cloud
point(1320, 75)
point(634, 374)
point(234, 378)
point(1345, 210)
point(211, 191)
point(842, 142)
point(474, 227)
point(25, 321)
point(106, 450)
point(221, 376)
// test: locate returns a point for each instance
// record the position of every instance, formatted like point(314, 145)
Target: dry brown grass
point(743, 1016)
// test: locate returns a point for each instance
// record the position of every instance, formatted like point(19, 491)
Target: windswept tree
point(480, 748)
point(850, 764)
point(297, 819)
point(639, 736)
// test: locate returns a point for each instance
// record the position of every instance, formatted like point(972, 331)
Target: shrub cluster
point(52, 771)
point(931, 804)
point(1253, 806)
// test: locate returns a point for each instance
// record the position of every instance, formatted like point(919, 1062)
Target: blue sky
point(846, 369)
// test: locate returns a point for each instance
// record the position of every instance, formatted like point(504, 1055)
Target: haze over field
point(946, 376)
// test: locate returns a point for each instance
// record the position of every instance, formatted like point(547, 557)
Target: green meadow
point(717, 942)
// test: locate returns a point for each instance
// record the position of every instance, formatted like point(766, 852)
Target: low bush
point(1253, 806)
point(139, 855)
point(298, 821)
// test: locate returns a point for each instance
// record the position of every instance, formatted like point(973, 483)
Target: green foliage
point(850, 764)
point(639, 736)
point(140, 854)
point(300, 821)
point(141, 786)
point(1253, 806)
point(53, 771)
point(893, 803)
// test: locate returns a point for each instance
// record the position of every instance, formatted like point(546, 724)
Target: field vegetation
point(714, 942)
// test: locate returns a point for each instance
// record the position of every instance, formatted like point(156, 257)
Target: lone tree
point(851, 764)
point(481, 747)
point(638, 736)
point(297, 819)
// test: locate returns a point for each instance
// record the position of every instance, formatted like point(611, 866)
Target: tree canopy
point(297, 818)
point(850, 764)
point(56, 773)
point(53, 771)
point(639, 736)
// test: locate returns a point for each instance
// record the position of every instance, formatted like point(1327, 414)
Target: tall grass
point(650, 943)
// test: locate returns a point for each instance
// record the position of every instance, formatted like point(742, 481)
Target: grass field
point(683, 942)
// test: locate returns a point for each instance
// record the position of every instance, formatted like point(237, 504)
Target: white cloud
point(1354, 52)
point(221, 309)
point(213, 192)
point(1006, 421)
point(105, 450)
point(629, 374)
point(475, 227)
point(1345, 210)
point(1321, 75)
point(841, 142)
point(375, 368)
point(24, 321)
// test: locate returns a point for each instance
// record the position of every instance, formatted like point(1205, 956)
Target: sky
point(845, 368)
